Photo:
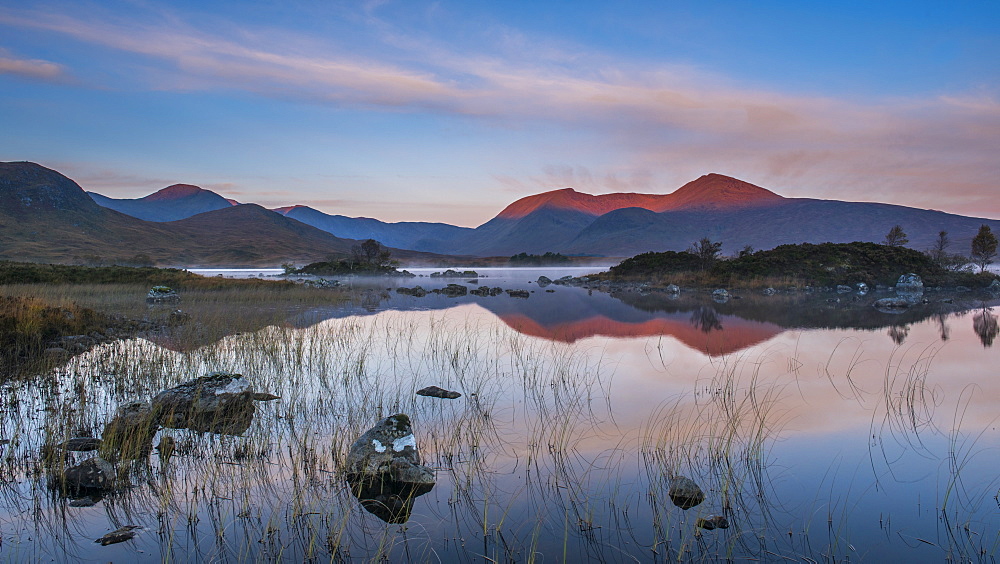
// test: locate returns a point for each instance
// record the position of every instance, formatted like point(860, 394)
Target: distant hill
point(169, 204)
point(420, 236)
point(46, 217)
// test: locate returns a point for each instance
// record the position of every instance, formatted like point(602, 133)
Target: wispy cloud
point(665, 123)
point(35, 69)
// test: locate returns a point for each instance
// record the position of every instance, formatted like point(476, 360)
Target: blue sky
point(448, 111)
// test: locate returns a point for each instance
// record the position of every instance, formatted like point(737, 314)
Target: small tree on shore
point(707, 251)
point(940, 249)
point(984, 247)
point(896, 237)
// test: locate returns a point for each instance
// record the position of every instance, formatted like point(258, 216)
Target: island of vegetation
point(548, 259)
point(820, 265)
point(369, 258)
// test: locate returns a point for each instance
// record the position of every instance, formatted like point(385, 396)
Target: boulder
point(720, 295)
point(673, 289)
point(518, 293)
point(415, 291)
point(384, 470)
point(892, 305)
point(770, 291)
point(220, 402)
point(862, 288)
point(92, 475)
point(544, 281)
point(842, 289)
point(909, 283)
point(436, 392)
point(129, 434)
point(452, 291)
point(162, 294)
point(684, 492)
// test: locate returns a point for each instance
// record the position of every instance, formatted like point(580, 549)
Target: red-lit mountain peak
point(715, 191)
point(718, 191)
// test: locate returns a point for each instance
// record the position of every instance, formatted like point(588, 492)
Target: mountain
point(554, 221)
point(169, 204)
point(47, 217)
point(419, 236)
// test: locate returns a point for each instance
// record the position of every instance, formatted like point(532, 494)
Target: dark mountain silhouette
point(169, 204)
point(422, 236)
point(47, 217)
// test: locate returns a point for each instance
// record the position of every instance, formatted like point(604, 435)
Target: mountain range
point(182, 223)
point(46, 217)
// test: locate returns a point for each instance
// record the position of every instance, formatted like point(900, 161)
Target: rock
point(416, 291)
point(842, 289)
point(891, 305)
point(482, 291)
point(862, 288)
point(93, 474)
point(178, 317)
point(129, 434)
point(518, 293)
point(909, 283)
point(85, 501)
point(550, 291)
point(118, 535)
point(496, 291)
point(219, 402)
point(720, 295)
point(673, 289)
point(162, 294)
point(770, 291)
point(455, 274)
point(453, 291)
point(544, 281)
point(80, 444)
point(712, 522)
point(436, 392)
point(384, 470)
point(684, 492)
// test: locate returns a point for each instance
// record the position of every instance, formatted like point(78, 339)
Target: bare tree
point(896, 237)
point(707, 251)
point(984, 247)
point(939, 252)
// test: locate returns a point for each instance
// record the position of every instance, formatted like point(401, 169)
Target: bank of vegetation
point(826, 264)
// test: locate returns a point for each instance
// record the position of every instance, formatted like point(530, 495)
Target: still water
point(822, 430)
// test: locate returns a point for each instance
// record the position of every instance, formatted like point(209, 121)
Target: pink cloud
point(36, 69)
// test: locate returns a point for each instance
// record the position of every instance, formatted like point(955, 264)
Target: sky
point(449, 111)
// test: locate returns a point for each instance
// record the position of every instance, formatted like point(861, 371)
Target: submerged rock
point(684, 492)
point(436, 392)
point(92, 475)
point(384, 470)
point(118, 535)
point(712, 522)
point(518, 293)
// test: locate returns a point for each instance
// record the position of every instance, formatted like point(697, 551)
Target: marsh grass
point(532, 463)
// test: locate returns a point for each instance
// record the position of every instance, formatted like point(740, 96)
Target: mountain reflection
point(570, 314)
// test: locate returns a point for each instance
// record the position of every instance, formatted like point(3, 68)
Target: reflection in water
point(985, 325)
point(706, 319)
point(555, 450)
point(898, 333)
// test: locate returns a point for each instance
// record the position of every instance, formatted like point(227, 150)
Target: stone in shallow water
point(684, 492)
point(384, 470)
point(712, 522)
point(219, 402)
point(92, 475)
point(118, 535)
point(436, 392)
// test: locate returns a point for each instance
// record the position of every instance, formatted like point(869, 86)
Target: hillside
point(174, 202)
point(46, 217)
